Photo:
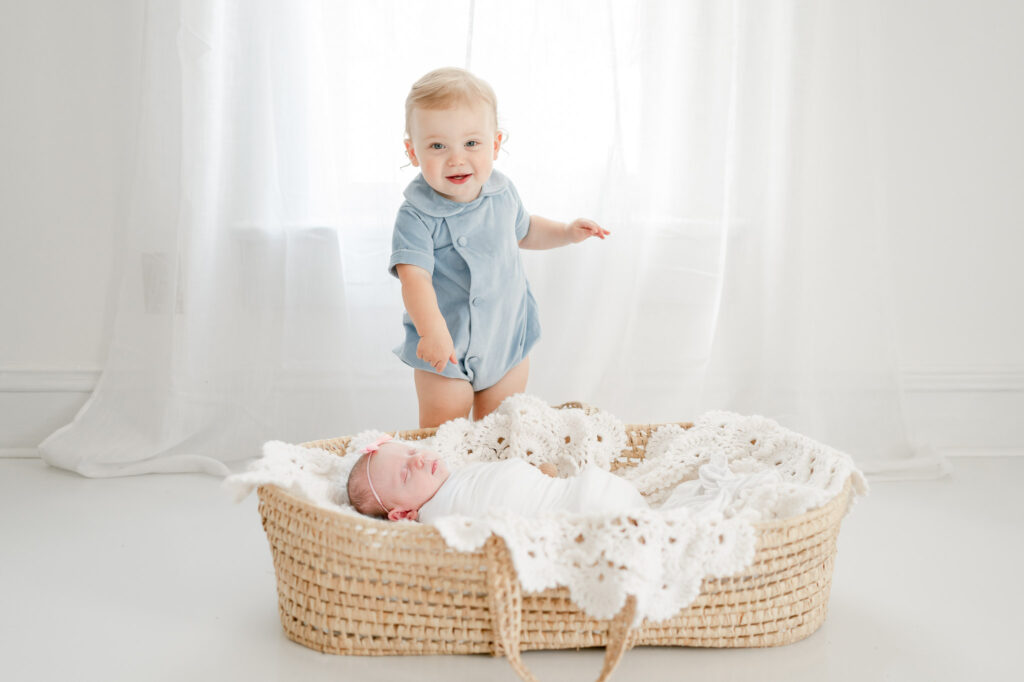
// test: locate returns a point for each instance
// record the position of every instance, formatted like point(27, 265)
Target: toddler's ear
point(498, 139)
point(410, 151)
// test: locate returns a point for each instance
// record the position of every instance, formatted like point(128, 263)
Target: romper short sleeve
point(412, 242)
point(522, 217)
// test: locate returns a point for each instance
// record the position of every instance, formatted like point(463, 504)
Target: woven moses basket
point(356, 585)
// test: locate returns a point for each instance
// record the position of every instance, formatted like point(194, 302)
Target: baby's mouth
point(433, 467)
point(459, 179)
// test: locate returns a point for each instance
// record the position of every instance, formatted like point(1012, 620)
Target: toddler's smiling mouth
point(458, 179)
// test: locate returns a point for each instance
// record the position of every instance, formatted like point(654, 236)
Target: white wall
point(954, 103)
point(68, 79)
point(951, 107)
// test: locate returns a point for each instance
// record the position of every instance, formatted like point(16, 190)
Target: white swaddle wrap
point(519, 488)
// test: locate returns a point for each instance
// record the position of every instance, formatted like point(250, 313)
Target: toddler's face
point(455, 148)
point(405, 478)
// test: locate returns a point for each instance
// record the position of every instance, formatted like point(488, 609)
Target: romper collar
point(426, 200)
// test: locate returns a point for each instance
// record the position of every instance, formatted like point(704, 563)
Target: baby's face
point(405, 477)
point(455, 148)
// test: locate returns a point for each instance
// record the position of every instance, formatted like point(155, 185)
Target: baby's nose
point(417, 460)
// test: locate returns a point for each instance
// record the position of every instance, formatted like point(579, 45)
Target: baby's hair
point(446, 87)
point(359, 494)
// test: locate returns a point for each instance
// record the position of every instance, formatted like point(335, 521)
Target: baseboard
point(981, 452)
point(36, 402)
point(48, 380)
point(963, 379)
point(953, 410)
point(965, 411)
point(19, 453)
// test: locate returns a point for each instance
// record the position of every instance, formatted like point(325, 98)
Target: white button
point(477, 300)
point(462, 241)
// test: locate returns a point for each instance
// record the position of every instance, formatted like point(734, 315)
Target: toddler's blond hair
point(447, 87)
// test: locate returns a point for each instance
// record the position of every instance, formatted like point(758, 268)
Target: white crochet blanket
point(719, 477)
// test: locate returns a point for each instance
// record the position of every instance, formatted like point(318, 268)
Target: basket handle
point(505, 599)
point(621, 637)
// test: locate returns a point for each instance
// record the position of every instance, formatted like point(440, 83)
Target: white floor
point(162, 578)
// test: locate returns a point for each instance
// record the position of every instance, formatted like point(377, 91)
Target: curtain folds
point(729, 147)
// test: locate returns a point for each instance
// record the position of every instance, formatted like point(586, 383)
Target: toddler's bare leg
point(487, 400)
point(441, 398)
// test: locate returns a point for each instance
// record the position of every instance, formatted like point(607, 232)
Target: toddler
point(397, 480)
point(470, 318)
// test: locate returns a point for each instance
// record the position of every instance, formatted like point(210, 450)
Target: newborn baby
point(397, 480)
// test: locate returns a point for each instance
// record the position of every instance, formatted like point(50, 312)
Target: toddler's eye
point(472, 143)
point(437, 145)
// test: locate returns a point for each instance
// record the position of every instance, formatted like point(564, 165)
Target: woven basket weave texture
point(355, 585)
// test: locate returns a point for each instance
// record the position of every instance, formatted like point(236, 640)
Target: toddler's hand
point(437, 349)
point(581, 228)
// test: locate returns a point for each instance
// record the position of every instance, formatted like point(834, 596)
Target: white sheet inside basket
point(719, 469)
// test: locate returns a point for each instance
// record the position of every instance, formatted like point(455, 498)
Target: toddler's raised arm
point(550, 234)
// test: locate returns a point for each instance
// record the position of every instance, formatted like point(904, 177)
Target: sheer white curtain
point(804, 331)
point(728, 146)
point(232, 316)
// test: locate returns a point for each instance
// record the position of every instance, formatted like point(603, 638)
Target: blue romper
point(472, 252)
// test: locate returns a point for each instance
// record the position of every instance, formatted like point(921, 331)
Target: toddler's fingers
point(451, 359)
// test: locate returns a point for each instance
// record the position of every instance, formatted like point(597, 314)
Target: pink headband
point(369, 450)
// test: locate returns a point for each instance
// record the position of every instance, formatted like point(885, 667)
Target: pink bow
point(375, 445)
